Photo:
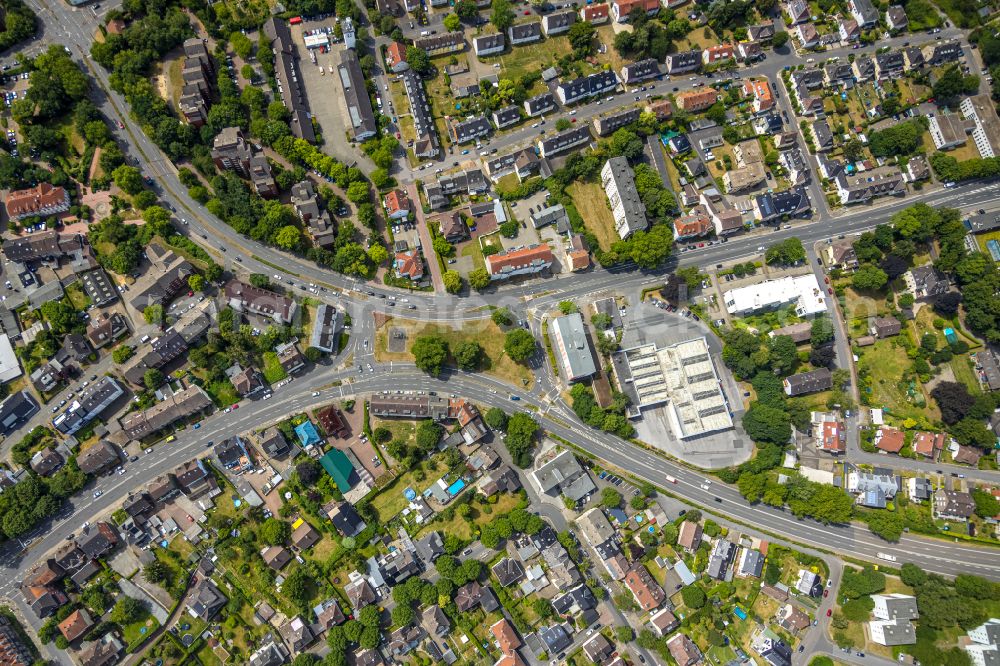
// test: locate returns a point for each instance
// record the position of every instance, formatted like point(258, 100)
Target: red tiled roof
point(409, 264)
point(395, 53)
point(75, 624)
point(579, 260)
point(691, 225)
point(33, 199)
point(595, 12)
point(832, 437)
point(663, 108)
point(889, 439)
point(760, 89)
point(506, 636)
point(625, 7)
point(719, 52)
point(928, 444)
point(397, 201)
point(515, 258)
point(697, 99)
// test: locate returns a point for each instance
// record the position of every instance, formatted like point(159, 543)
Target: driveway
point(433, 265)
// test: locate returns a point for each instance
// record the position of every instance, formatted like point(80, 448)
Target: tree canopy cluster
point(612, 419)
point(901, 139)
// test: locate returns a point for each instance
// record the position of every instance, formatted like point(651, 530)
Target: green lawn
point(532, 57)
point(890, 383)
point(134, 634)
point(272, 370)
point(390, 500)
point(592, 204)
point(471, 249)
point(77, 297)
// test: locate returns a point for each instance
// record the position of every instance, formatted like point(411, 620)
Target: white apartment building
point(626, 206)
point(986, 133)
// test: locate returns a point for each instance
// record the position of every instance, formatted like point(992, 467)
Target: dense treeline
point(36, 498)
point(19, 24)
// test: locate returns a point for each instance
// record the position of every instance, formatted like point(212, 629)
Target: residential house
point(526, 261)
point(621, 9)
point(409, 264)
point(694, 101)
point(760, 91)
point(471, 129)
point(892, 632)
point(599, 83)
point(885, 327)
point(641, 70)
point(507, 116)
point(682, 648)
point(864, 12)
point(928, 444)
point(895, 606)
point(953, 505)
point(558, 22)
point(807, 34)
point(448, 42)
point(539, 104)
point(865, 186)
point(76, 624)
point(798, 11)
point(487, 45)
point(895, 18)
point(808, 382)
point(397, 205)
point(297, 634)
point(663, 622)
point(941, 53)
point(395, 57)
point(889, 65)
point(596, 14)
point(525, 33)
point(718, 53)
point(689, 536)
point(683, 62)
point(205, 600)
point(244, 297)
point(925, 282)
point(849, 30)
point(646, 591)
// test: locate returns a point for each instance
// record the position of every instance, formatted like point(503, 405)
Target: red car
point(121, 125)
point(190, 293)
point(829, 612)
point(830, 291)
point(236, 405)
point(827, 280)
point(826, 593)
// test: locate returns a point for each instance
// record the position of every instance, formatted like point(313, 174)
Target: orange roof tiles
point(928, 444)
point(889, 439)
point(517, 258)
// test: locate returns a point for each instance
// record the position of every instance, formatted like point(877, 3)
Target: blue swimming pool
point(456, 487)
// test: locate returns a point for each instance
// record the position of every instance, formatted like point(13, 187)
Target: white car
point(98, 493)
point(149, 450)
point(315, 394)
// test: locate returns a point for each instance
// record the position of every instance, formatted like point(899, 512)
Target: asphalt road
point(75, 28)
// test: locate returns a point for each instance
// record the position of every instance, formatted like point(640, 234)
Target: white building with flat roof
point(802, 291)
point(569, 343)
point(683, 377)
point(10, 367)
